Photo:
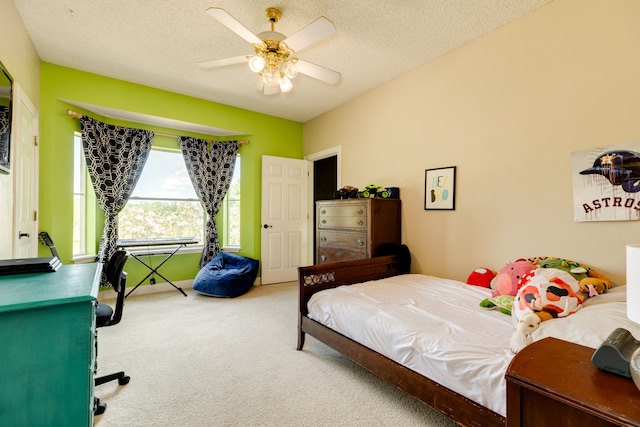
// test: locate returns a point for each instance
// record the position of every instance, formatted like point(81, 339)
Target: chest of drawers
point(355, 228)
point(554, 383)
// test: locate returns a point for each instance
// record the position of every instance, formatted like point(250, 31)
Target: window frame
point(235, 180)
point(162, 249)
point(90, 219)
point(79, 191)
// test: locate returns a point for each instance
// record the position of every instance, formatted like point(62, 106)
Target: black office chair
point(108, 316)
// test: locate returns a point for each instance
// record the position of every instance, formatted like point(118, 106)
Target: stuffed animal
point(591, 282)
point(504, 303)
point(543, 288)
point(549, 293)
point(522, 336)
point(546, 293)
point(481, 277)
point(508, 279)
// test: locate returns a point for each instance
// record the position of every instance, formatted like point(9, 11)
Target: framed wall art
point(606, 183)
point(439, 188)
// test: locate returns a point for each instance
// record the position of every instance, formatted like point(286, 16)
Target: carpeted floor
point(202, 361)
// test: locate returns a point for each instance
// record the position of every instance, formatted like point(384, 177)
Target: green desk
point(47, 353)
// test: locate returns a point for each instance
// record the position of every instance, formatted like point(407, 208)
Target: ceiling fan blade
point(223, 62)
point(232, 23)
point(319, 29)
point(317, 72)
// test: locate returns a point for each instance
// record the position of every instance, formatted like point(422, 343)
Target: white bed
point(436, 327)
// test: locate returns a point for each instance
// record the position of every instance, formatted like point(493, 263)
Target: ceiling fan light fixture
point(257, 83)
point(289, 69)
point(271, 76)
point(270, 90)
point(285, 84)
point(273, 60)
point(256, 64)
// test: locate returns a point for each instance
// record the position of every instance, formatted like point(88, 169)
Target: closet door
point(285, 218)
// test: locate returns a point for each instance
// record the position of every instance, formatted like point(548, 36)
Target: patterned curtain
point(210, 166)
point(5, 123)
point(4, 120)
point(115, 158)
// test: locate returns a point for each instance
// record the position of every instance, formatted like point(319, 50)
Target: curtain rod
point(75, 115)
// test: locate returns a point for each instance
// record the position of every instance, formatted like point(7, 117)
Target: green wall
point(268, 135)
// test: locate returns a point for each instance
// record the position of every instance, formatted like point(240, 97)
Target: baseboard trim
point(109, 294)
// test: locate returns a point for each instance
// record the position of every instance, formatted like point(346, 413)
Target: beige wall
point(17, 52)
point(21, 60)
point(507, 110)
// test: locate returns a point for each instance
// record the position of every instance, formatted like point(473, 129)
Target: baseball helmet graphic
point(620, 167)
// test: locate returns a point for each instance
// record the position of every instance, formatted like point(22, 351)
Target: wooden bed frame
point(316, 278)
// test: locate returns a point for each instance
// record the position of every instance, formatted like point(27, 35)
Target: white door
point(25, 177)
point(285, 218)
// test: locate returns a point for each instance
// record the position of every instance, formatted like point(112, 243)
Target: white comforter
point(435, 327)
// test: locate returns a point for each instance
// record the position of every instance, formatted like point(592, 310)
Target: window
point(232, 210)
point(79, 198)
point(164, 203)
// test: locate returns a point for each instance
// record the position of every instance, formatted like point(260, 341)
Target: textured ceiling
point(158, 43)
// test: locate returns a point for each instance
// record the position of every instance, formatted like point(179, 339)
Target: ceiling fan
point(274, 61)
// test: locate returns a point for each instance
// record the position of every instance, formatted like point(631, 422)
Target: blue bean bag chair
point(227, 275)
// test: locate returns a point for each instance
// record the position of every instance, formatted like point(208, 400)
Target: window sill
point(84, 259)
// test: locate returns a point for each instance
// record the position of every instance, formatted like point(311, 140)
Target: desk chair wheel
point(98, 407)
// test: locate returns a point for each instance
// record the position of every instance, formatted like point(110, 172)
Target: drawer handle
point(323, 211)
point(360, 243)
point(324, 221)
point(323, 239)
point(361, 222)
point(360, 211)
point(323, 258)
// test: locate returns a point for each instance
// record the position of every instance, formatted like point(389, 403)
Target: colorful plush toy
point(504, 303)
point(481, 277)
point(508, 279)
point(542, 288)
point(522, 336)
point(549, 293)
point(546, 293)
point(591, 282)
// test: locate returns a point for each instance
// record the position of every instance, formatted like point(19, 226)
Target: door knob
point(267, 226)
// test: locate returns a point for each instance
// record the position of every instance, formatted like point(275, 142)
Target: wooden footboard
point(316, 278)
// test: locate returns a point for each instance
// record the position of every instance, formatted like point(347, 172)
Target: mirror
point(6, 88)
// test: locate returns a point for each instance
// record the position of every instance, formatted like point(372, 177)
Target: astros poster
point(606, 183)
